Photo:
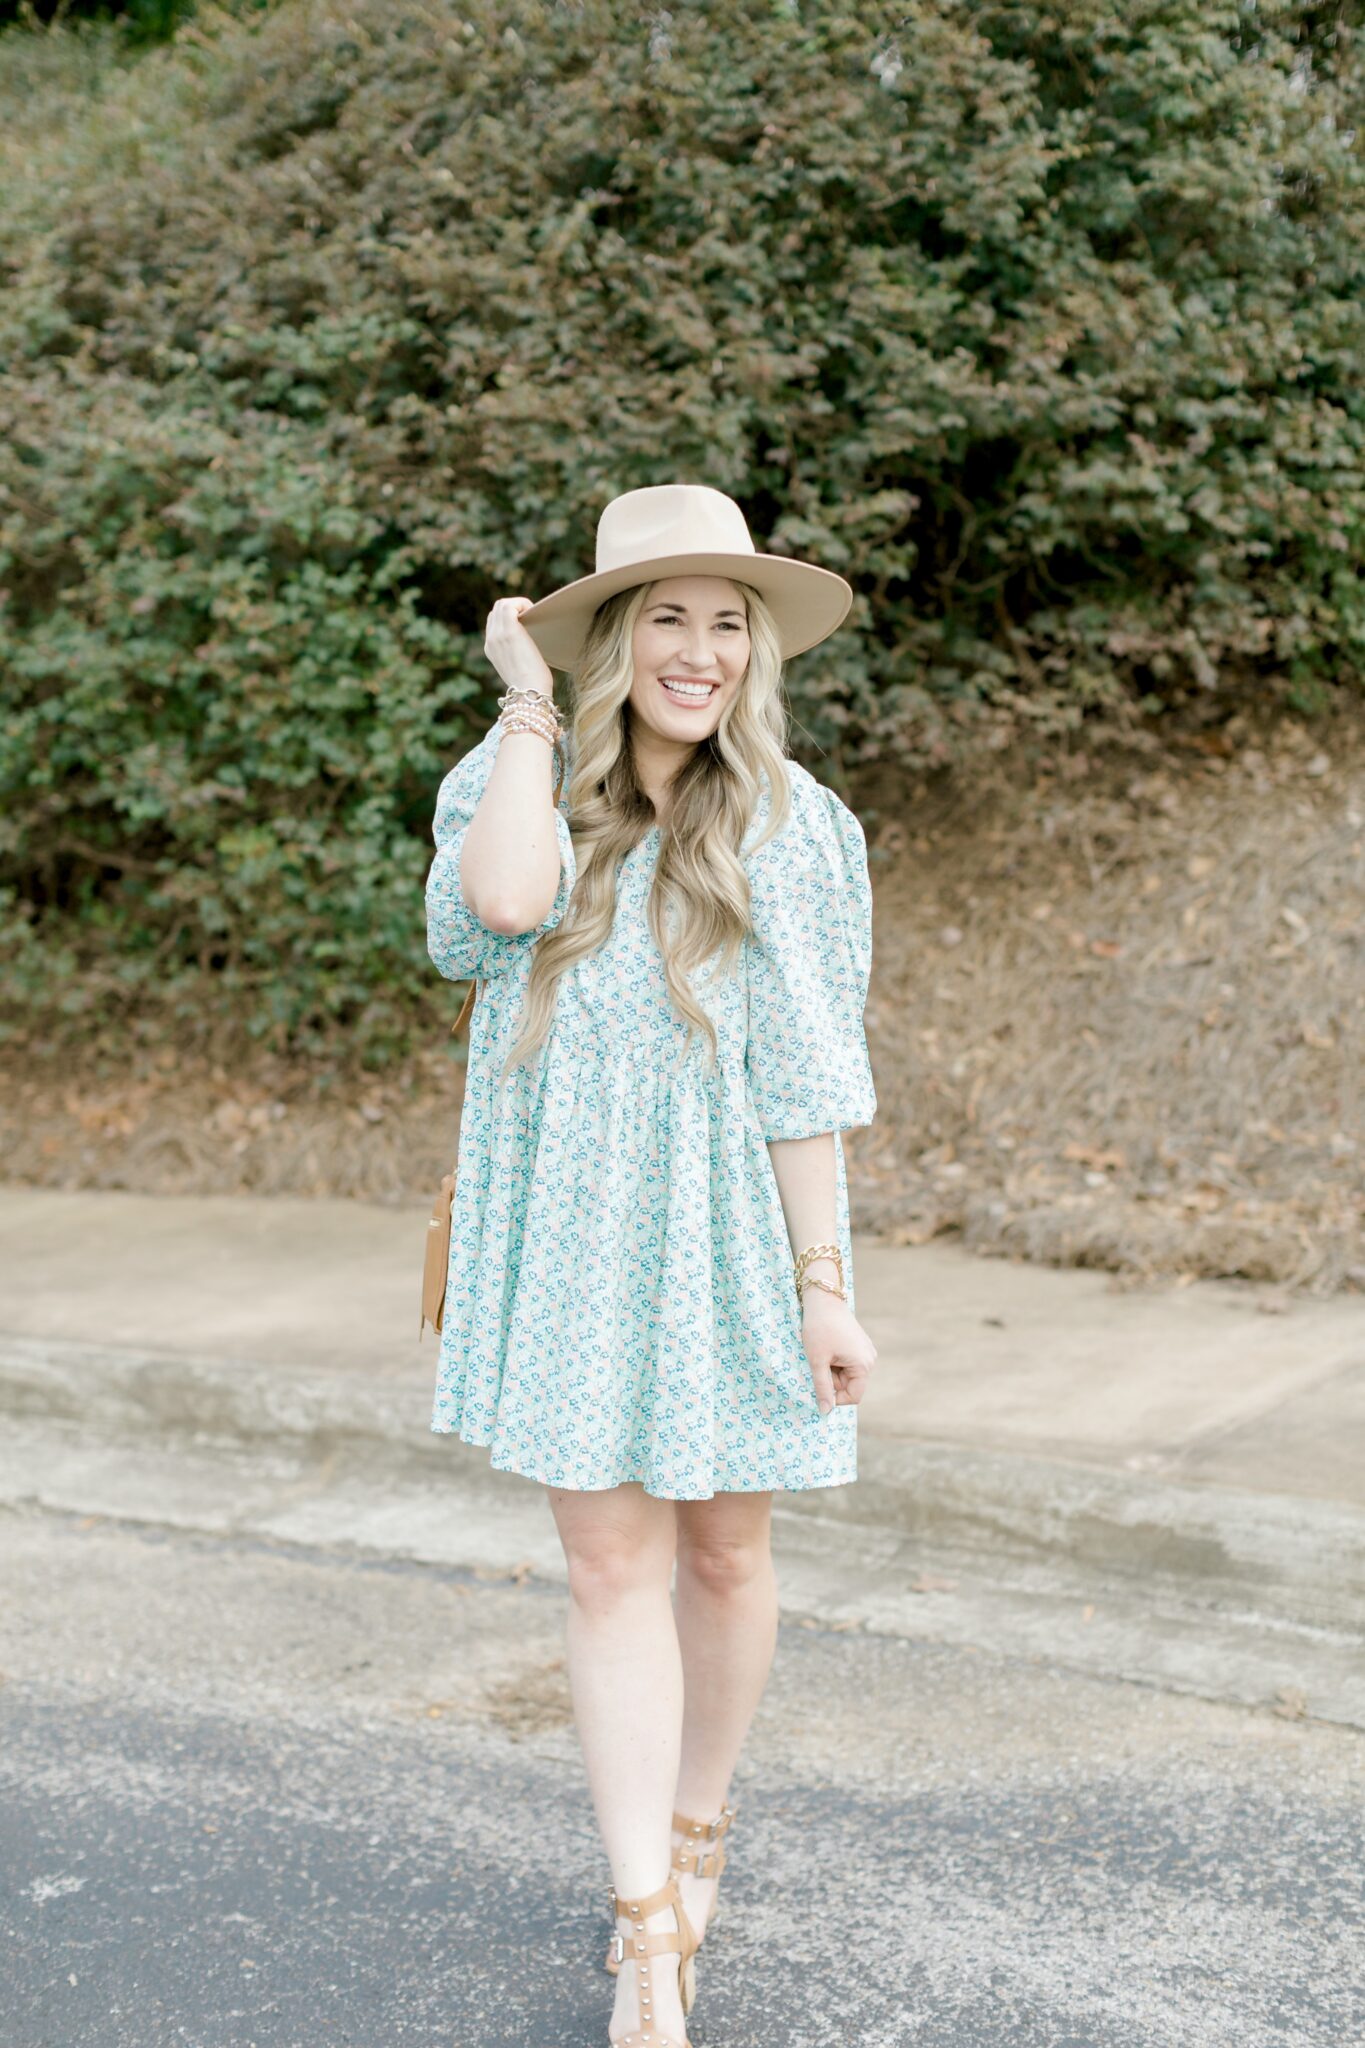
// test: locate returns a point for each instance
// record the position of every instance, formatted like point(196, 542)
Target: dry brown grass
point(1118, 1007)
point(1115, 1021)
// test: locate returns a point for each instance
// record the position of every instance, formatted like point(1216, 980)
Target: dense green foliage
point(140, 21)
point(323, 328)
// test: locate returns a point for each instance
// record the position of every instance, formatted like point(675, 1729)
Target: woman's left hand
point(840, 1352)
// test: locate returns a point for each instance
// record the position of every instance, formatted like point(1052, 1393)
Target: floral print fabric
point(620, 1303)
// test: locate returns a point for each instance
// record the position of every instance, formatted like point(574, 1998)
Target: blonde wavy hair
point(699, 900)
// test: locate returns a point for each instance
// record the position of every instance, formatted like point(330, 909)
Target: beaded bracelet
point(521, 722)
point(530, 711)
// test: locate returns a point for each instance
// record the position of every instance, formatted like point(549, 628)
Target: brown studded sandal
point(702, 1853)
point(637, 1947)
point(695, 1853)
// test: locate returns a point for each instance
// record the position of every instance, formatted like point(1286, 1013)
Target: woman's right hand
point(513, 652)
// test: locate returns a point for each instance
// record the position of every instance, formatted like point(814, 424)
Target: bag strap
point(467, 1006)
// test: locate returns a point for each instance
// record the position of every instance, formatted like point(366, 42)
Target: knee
point(608, 1568)
point(723, 1569)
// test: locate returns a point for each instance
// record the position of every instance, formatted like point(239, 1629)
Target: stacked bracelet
point(808, 1258)
point(530, 711)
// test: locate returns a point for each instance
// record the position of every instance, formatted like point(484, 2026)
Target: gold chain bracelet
point(807, 1258)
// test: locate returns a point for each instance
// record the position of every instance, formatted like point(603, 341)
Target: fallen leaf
point(1091, 1155)
point(913, 1233)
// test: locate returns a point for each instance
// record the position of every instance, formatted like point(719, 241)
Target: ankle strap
point(638, 1946)
point(692, 1853)
point(712, 1829)
point(631, 1948)
point(653, 1902)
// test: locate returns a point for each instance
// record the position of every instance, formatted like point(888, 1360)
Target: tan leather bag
point(436, 1266)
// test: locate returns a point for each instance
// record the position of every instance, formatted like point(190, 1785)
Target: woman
point(649, 1306)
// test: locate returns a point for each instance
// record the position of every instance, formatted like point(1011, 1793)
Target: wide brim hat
point(686, 530)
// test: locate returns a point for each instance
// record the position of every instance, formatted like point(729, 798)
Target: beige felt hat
point(686, 530)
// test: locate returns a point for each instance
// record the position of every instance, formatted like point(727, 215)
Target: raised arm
point(510, 860)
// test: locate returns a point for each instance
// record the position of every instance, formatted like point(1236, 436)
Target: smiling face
point(691, 649)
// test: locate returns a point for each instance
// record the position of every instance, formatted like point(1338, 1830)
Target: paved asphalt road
point(256, 1794)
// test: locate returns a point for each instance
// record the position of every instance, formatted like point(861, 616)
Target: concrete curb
point(1299, 1561)
point(1205, 1588)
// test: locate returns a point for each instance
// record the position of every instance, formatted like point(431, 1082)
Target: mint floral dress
point(619, 1304)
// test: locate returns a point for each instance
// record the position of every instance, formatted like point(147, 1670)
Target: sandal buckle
point(618, 1947)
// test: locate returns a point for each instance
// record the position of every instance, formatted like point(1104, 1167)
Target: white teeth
point(697, 692)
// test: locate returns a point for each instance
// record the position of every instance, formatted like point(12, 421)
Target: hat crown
point(660, 520)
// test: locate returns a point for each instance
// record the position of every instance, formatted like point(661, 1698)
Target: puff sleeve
point(809, 959)
point(459, 944)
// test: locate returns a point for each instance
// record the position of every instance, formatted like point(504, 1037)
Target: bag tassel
point(437, 1260)
point(436, 1265)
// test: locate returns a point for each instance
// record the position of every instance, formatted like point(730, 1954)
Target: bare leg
point(726, 1605)
point(625, 1677)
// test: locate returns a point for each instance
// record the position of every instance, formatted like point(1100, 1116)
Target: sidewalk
point(1056, 1442)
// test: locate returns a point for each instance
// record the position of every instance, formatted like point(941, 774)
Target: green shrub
point(325, 327)
point(140, 22)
